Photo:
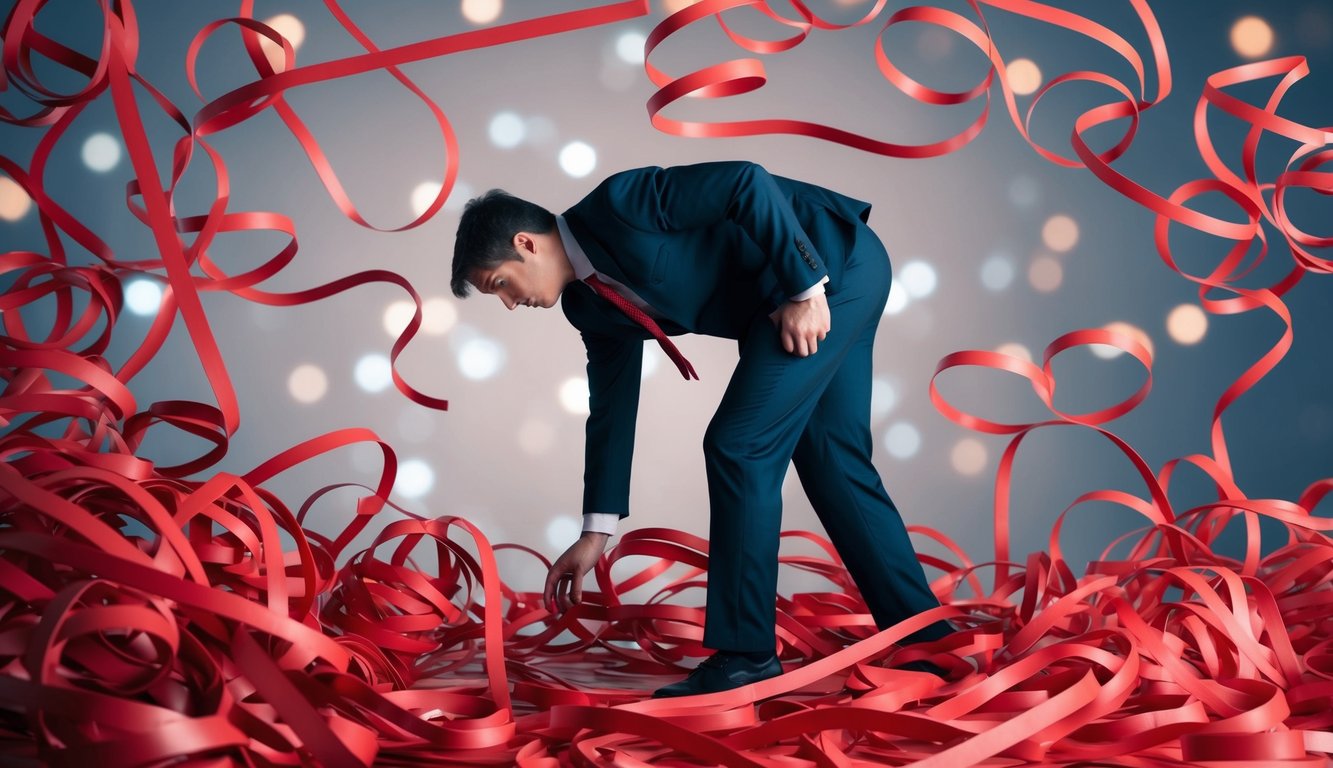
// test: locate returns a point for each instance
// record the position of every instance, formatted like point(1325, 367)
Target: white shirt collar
point(577, 258)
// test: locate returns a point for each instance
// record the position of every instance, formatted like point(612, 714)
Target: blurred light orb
point(997, 272)
point(1060, 233)
point(968, 456)
point(14, 200)
point(101, 152)
point(415, 478)
point(574, 396)
point(307, 383)
point(918, 279)
point(897, 299)
point(1023, 191)
point(143, 297)
point(481, 11)
point(1024, 76)
point(438, 316)
point(1045, 274)
point(396, 317)
point(458, 197)
point(1014, 349)
point(507, 130)
point(563, 530)
point(1108, 352)
point(629, 47)
point(373, 373)
point(289, 27)
point(1252, 37)
point(902, 440)
point(671, 6)
point(578, 159)
point(1187, 324)
point(423, 195)
point(883, 397)
point(480, 358)
point(536, 437)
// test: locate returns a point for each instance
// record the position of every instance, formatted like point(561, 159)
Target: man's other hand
point(564, 583)
point(803, 324)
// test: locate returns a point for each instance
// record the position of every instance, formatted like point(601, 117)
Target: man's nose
point(509, 303)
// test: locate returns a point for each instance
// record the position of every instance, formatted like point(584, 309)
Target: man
point(791, 271)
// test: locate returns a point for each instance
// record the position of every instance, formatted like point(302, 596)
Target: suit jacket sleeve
point(692, 196)
point(614, 368)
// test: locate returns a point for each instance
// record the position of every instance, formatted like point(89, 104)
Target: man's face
point(532, 282)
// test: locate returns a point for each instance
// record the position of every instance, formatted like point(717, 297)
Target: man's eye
point(499, 283)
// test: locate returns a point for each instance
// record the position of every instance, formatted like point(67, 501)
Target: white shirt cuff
point(599, 522)
point(812, 291)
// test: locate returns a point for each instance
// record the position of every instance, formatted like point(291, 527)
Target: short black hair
point(486, 232)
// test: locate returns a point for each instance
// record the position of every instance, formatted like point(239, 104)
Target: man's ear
point(524, 243)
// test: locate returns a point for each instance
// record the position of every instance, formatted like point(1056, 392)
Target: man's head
point(509, 247)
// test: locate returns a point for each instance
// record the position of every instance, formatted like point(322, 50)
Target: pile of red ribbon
point(146, 617)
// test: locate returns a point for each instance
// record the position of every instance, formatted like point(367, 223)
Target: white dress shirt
point(605, 522)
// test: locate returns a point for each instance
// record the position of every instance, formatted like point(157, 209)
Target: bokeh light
point(997, 272)
point(968, 456)
point(480, 358)
point(1060, 233)
point(1187, 324)
point(481, 11)
point(578, 159)
point(897, 299)
point(438, 316)
point(289, 27)
point(1045, 274)
point(1108, 352)
point(14, 201)
point(423, 195)
point(1252, 37)
point(307, 383)
point(563, 530)
point(629, 47)
point(101, 152)
point(1024, 76)
point(918, 279)
point(373, 373)
point(883, 397)
point(574, 396)
point(1014, 349)
point(458, 197)
point(506, 130)
point(536, 437)
point(143, 297)
point(902, 440)
point(671, 6)
point(415, 478)
point(397, 315)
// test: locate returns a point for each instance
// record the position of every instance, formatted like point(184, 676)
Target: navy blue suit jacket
point(707, 246)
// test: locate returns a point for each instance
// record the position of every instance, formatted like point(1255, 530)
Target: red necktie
point(638, 316)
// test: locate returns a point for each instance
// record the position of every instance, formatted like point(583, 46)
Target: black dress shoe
point(721, 672)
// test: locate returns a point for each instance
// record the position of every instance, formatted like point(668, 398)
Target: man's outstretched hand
point(803, 324)
point(564, 583)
